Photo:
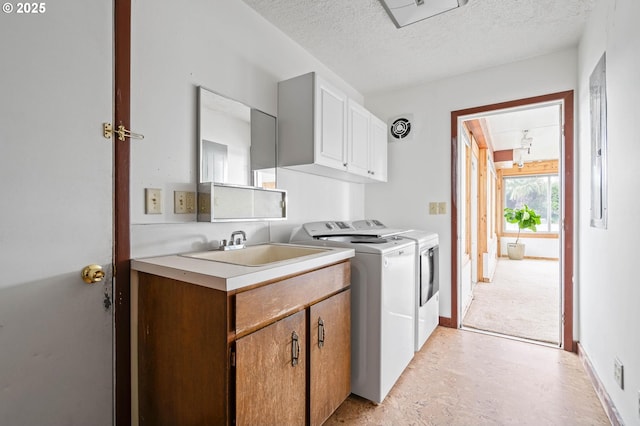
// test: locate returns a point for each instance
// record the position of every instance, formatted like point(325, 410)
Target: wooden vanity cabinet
point(182, 353)
point(271, 374)
point(276, 353)
point(330, 348)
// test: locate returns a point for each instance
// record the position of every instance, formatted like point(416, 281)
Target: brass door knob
point(92, 274)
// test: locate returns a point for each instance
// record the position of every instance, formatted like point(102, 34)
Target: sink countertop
point(228, 276)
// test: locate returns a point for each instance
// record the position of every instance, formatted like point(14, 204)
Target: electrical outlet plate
point(184, 202)
point(618, 372)
point(153, 201)
point(433, 208)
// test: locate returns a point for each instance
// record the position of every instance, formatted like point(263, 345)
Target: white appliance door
point(429, 279)
point(56, 217)
point(398, 314)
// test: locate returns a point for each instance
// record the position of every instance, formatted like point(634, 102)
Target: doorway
point(492, 237)
point(515, 298)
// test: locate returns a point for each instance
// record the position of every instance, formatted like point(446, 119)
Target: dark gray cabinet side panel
point(295, 121)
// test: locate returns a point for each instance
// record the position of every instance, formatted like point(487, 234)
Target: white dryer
point(427, 306)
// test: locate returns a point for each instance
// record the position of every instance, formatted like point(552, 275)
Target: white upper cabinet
point(330, 125)
point(366, 143)
point(378, 149)
point(358, 136)
point(323, 132)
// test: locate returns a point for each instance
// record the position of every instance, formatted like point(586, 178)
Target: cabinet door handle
point(320, 333)
point(295, 349)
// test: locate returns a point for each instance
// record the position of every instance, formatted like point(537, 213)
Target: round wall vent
point(400, 128)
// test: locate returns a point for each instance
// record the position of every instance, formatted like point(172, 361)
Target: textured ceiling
point(359, 42)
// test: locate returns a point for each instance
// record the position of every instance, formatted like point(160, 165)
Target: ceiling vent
point(405, 12)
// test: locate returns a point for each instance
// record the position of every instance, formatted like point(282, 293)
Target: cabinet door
point(270, 383)
point(330, 125)
point(378, 150)
point(358, 133)
point(330, 355)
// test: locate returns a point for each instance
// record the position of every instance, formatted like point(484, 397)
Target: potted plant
point(526, 218)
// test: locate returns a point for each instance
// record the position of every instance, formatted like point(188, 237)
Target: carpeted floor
point(522, 301)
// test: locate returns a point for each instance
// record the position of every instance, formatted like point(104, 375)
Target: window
point(540, 193)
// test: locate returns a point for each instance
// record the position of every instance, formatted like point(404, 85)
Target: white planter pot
point(515, 251)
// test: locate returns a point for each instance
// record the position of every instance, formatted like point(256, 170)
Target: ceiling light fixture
point(525, 146)
point(526, 141)
point(405, 12)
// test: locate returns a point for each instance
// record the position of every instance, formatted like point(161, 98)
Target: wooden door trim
point(568, 170)
point(122, 247)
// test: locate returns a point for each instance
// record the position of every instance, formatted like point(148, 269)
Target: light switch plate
point(191, 202)
point(433, 208)
point(184, 202)
point(153, 201)
point(442, 207)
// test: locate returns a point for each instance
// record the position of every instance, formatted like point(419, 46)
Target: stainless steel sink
point(259, 255)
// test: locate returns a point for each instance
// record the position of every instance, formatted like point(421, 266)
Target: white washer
point(382, 302)
point(427, 306)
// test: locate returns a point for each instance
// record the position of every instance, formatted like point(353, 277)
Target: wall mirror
point(236, 148)
point(236, 143)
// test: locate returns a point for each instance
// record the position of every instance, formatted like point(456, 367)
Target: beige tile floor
point(466, 378)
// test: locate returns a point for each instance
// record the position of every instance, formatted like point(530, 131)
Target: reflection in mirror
point(214, 162)
point(236, 143)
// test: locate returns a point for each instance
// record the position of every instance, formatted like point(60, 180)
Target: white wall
point(609, 293)
point(228, 48)
point(420, 170)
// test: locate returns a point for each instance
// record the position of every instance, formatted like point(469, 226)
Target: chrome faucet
point(238, 241)
point(235, 242)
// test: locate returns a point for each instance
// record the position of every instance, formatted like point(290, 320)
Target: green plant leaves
point(525, 217)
